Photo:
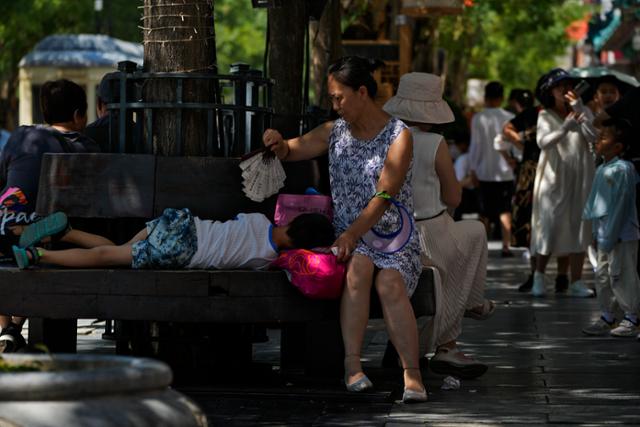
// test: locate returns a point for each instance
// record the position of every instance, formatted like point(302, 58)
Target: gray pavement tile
point(464, 412)
point(595, 414)
point(595, 395)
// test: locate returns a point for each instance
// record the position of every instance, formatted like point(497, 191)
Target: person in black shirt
point(64, 107)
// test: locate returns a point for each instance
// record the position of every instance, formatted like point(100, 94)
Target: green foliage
point(240, 34)
point(26, 22)
point(514, 41)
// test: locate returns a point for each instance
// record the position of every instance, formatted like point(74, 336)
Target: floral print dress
point(354, 171)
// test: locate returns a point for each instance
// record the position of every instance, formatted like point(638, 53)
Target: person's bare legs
point(85, 240)
point(401, 324)
point(563, 265)
point(73, 236)
point(354, 313)
point(90, 240)
point(100, 256)
point(505, 223)
point(576, 262)
point(541, 262)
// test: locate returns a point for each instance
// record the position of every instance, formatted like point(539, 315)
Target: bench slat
point(142, 186)
point(226, 296)
point(97, 185)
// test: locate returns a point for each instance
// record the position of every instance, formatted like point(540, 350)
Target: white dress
point(563, 182)
point(458, 250)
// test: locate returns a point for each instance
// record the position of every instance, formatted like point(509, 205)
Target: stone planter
point(93, 390)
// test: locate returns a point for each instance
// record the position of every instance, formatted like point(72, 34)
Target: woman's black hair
point(356, 71)
point(524, 97)
point(311, 230)
point(60, 99)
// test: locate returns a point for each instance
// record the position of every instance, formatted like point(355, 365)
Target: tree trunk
point(287, 25)
point(326, 48)
point(179, 38)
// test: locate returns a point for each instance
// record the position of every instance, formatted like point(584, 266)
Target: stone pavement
point(543, 371)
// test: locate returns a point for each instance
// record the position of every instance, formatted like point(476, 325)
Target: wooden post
point(179, 37)
point(287, 28)
point(405, 36)
point(326, 48)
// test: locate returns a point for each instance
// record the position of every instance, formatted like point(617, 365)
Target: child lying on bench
point(177, 239)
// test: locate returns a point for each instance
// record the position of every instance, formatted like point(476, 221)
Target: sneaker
point(54, 225)
point(451, 361)
point(626, 328)
point(526, 286)
point(538, 288)
point(580, 290)
point(11, 340)
point(598, 328)
point(562, 283)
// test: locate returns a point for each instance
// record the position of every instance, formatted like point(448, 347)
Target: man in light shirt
point(489, 167)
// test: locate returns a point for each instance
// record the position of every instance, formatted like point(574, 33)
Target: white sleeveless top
point(426, 184)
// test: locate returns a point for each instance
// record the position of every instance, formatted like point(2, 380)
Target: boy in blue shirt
point(611, 207)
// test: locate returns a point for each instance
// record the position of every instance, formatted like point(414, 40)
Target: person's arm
point(450, 189)
point(393, 175)
point(546, 136)
point(311, 144)
point(474, 150)
point(586, 117)
point(510, 134)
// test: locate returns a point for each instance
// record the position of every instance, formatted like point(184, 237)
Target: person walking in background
point(562, 183)
point(611, 207)
point(521, 132)
point(458, 250)
point(488, 167)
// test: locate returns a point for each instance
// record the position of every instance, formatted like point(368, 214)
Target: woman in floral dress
point(369, 152)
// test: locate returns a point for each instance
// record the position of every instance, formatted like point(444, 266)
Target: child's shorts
point(171, 242)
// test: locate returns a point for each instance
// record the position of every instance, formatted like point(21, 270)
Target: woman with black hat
point(563, 180)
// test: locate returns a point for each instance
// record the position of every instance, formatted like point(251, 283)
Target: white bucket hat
point(419, 100)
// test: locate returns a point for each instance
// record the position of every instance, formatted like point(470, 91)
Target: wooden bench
point(104, 187)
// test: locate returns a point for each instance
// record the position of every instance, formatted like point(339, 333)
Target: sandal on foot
point(360, 385)
point(55, 226)
point(414, 396)
point(25, 256)
point(488, 308)
point(451, 361)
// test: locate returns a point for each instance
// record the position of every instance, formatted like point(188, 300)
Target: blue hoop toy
point(396, 240)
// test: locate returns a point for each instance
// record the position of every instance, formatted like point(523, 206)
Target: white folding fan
point(262, 174)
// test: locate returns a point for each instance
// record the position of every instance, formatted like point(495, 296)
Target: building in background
point(82, 58)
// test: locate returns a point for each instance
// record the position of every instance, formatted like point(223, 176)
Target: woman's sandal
point(25, 256)
point(488, 308)
point(361, 384)
point(414, 396)
point(55, 226)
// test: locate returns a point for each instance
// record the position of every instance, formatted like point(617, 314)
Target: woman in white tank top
point(458, 250)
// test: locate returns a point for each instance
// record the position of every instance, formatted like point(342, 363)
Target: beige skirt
point(458, 251)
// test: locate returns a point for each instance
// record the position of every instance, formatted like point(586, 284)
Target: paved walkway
point(543, 371)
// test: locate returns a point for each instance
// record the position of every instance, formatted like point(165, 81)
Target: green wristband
point(383, 195)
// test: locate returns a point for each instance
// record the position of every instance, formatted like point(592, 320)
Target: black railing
point(237, 110)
